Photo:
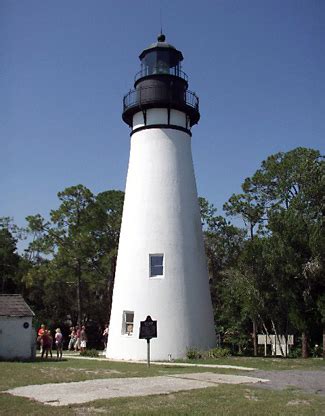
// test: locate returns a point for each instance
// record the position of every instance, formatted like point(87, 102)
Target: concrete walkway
point(167, 363)
point(62, 394)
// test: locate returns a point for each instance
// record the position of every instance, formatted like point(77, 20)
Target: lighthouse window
point(127, 325)
point(156, 265)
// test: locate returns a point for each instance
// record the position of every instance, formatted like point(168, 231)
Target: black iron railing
point(161, 71)
point(160, 95)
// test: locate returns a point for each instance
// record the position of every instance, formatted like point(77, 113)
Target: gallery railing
point(159, 71)
point(160, 95)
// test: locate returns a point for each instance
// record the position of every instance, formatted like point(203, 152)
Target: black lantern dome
point(161, 83)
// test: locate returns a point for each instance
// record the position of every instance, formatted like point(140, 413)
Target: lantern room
point(160, 58)
point(161, 83)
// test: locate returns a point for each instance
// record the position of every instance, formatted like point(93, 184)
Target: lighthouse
point(161, 268)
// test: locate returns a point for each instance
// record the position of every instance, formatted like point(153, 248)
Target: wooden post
point(148, 352)
point(324, 342)
point(304, 342)
point(254, 338)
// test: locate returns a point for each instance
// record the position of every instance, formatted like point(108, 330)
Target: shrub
point(316, 351)
point(295, 352)
point(89, 353)
point(218, 353)
point(193, 353)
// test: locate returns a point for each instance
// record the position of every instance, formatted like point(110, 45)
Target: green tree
point(223, 243)
point(9, 261)
point(12, 265)
point(248, 207)
point(288, 194)
point(75, 252)
point(251, 209)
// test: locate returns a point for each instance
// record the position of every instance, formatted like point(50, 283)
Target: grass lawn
point(219, 400)
point(265, 363)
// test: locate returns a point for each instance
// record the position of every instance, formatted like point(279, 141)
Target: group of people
point(45, 340)
point(78, 339)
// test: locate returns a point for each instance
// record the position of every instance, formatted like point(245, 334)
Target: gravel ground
point(62, 394)
point(309, 381)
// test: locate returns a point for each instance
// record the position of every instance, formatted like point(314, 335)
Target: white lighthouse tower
point(161, 266)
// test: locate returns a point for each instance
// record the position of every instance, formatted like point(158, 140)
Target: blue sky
point(258, 67)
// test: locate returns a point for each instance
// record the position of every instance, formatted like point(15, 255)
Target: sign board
point(272, 339)
point(148, 329)
point(279, 344)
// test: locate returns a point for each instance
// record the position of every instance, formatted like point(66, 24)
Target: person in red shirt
point(40, 334)
point(41, 330)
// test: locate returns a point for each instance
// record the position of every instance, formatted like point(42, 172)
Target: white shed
point(17, 336)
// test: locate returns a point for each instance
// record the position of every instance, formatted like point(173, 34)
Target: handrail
point(156, 94)
point(144, 72)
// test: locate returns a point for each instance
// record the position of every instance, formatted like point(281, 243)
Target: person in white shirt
point(58, 343)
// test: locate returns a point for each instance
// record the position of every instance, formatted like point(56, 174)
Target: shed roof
point(14, 305)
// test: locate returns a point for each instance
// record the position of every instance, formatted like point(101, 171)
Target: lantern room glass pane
point(161, 62)
point(149, 62)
